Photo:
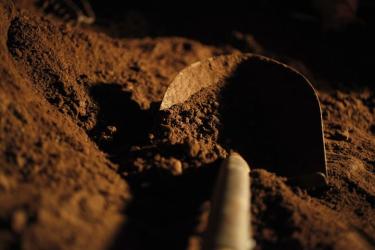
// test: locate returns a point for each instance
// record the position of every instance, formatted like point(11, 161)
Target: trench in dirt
point(165, 209)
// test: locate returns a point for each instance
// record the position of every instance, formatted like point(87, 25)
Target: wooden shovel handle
point(229, 221)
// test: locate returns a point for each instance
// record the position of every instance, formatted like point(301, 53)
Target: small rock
point(151, 136)
point(139, 164)
point(194, 148)
point(19, 221)
point(157, 157)
point(108, 133)
point(111, 129)
point(20, 160)
point(176, 166)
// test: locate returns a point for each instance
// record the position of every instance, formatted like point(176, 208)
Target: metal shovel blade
point(269, 112)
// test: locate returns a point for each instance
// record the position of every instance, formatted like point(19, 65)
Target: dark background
point(340, 54)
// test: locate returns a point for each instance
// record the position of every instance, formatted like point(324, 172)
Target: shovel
point(271, 116)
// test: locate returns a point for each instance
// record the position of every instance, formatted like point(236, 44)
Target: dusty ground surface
point(88, 161)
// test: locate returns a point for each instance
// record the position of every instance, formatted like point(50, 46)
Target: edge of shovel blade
point(288, 136)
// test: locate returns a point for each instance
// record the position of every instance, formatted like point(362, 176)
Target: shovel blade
point(269, 112)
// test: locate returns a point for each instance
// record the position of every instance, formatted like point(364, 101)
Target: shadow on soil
point(121, 122)
point(165, 209)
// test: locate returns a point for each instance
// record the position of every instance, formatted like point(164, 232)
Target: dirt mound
point(87, 160)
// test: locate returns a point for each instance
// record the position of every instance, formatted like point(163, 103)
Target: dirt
point(87, 160)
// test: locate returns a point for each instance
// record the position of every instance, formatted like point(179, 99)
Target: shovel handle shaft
point(229, 221)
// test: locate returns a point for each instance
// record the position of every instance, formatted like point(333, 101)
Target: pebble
point(176, 166)
point(20, 160)
point(19, 221)
point(157, 157)
point(111, 129)
point(194, 148)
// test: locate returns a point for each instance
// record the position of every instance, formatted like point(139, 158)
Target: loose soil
point(87, 160)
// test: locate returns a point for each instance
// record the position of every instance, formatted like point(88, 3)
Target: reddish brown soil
point(88, 161)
